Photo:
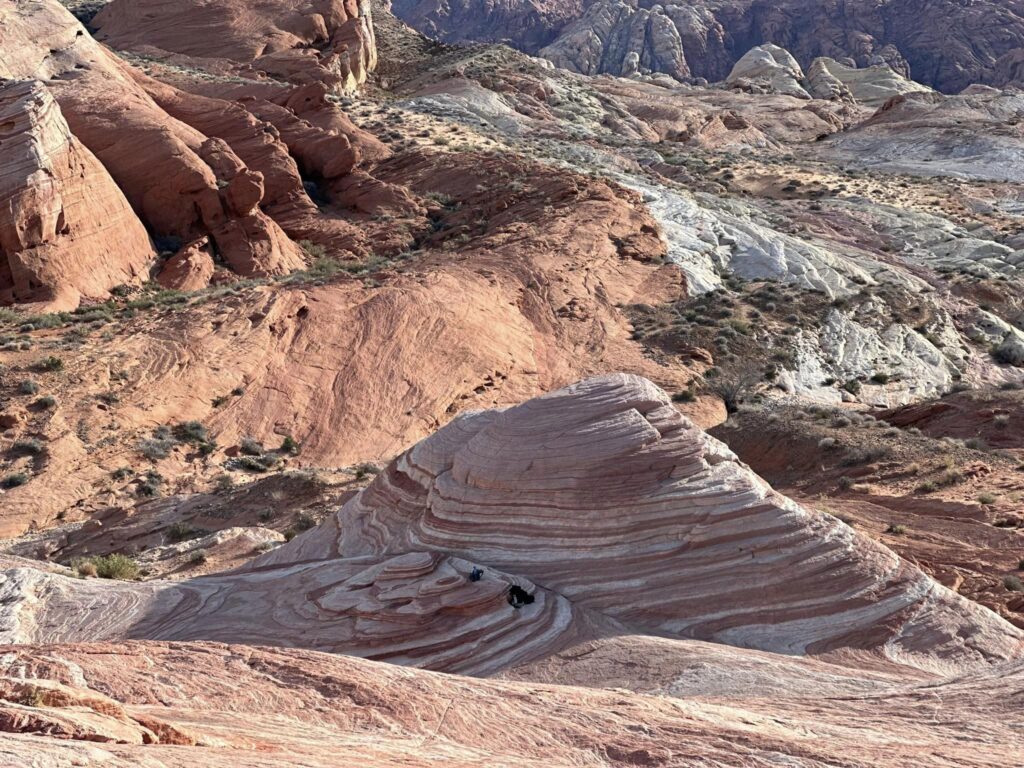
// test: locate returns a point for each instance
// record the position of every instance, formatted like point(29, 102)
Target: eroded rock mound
point(771, 69)
point(66, 230)
point(314, 41)
point(595, 511)
point(872, 86)
point(182, 184)
point(976, 135)
point(604, 493)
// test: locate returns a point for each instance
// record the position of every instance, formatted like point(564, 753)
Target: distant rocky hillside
point(942, 43)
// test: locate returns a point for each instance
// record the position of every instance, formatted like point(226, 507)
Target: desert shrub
point(122, 473)
point(1013, 584)
point(896, 529)
point(304, 522)
point(289, 445)
point(191, 432)
point(46, 402)
point(1001, 420)
point(1009, 352)
point(156, 448)
point(684, 396)
point(50, 363)
point(852, 386)
point(198, 557)
point(181, 531)
point(112, 566)
point(14, 479)
point(149, 484)
point(841, 421)
point(52, 320)
point(362, 470)
point(828, 443)
point(251, 447)
point(866, 456)
point(28, 387)
point(986, 498)
point(733, 386)
point(260, 463)
point(880, 378)
point(27, 447)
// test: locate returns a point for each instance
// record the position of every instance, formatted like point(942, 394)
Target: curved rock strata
point(601, 502)
point(209, 705)
point(604, 493)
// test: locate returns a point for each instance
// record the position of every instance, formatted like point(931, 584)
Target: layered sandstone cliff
point(66, 229)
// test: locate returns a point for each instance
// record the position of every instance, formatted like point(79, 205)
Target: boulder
point(768, 68)
point(190, 269)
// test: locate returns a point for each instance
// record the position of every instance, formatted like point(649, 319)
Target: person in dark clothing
point(518, 597)
point(476, 574)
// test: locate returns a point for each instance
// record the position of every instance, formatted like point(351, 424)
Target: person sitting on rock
point(476, 574)
point(518, 597)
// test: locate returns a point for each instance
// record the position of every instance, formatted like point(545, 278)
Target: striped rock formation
point(599, 501)
point(603, 493)
point(210, 705)
point(418, 609)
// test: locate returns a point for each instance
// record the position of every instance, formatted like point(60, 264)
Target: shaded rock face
point(529, 25)
point(66, 230)
point(947, 45)
point(315, 41)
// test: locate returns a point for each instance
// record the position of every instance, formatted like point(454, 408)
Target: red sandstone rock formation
point(314, 41)
point(182, 184)
point(66, 230)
